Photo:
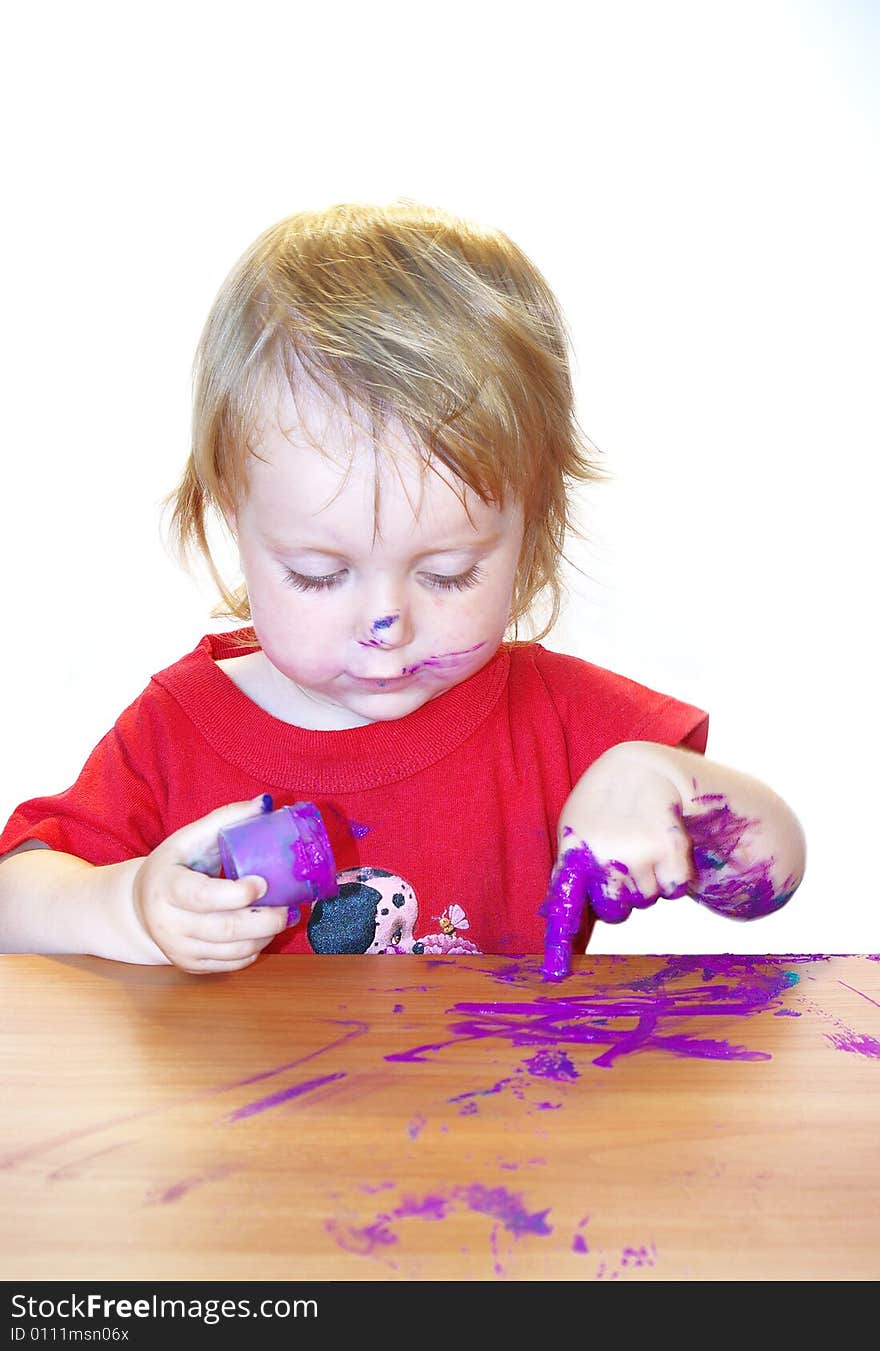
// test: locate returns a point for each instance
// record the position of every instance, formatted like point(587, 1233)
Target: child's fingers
point(196, 845)
point(236, 926)
point(192, 891)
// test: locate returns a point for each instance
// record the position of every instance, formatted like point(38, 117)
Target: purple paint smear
point(595, 1018)
point(283, 1095)
point(507, 1208)
point(853, 1041)
point(552, 1065)
point(443, 659)
point(715, 835)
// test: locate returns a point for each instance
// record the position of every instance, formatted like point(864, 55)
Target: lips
point(383, 682)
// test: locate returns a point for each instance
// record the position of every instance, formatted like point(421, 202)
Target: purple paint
point(289, 848)
point(482, 1092)
point(178, 1189)
point(715, 835)
point(416, 1126)
point(552, 1065)
point(639, 1257)
point(442, 659)
point(579, 1244)
point(860, 992)
point(398, 1008)
point(506, 1208)
point(362, 1241)
point(594, 1019)
point(283, 1095)
point(859, 1044)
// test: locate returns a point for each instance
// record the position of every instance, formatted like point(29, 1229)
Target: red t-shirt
point(442, 820)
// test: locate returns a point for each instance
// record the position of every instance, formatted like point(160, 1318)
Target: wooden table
point(404, 1118)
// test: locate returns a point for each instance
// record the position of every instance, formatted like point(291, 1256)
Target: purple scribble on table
point(416, 1126)
point(283, 1095)
point(579, 1244)
point(508, 1208)
point(483, 1092)
point(858, 1043)
point(179, 1189)
point(548, 1106)
point(648, 1014)
point(398, 1008)
point(859, 992)
point(715, 835)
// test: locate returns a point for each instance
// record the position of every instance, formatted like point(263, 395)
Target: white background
point(699, 184)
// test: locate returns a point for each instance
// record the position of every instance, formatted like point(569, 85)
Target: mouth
point(380, 683)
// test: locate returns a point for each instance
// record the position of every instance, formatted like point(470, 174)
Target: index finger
point(564, 908)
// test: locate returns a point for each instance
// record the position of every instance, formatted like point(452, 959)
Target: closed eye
point(439, 583)
point(303, 582)
point(460, 583)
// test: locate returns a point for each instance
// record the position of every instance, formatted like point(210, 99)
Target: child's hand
point(621, 827)
point(203, 922)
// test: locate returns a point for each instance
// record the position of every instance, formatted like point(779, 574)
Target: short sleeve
point(113, 811)
point(600, 709)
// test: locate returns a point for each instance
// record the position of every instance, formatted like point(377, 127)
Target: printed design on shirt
point(377, 911)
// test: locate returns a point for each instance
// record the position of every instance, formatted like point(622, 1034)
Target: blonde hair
point(406, 312)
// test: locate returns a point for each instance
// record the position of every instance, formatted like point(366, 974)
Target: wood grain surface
point(405, 1118)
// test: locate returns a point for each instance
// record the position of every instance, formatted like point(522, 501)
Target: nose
point(388, 630)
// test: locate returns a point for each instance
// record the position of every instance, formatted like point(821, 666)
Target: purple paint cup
point(290, 849)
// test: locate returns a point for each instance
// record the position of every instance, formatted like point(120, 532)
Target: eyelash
point(460, 583)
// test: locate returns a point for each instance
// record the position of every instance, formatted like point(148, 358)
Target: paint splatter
point(855, 1042)
point(552, 1065)
point(416, 1126)
point(283, 1095)
point(506, 1208)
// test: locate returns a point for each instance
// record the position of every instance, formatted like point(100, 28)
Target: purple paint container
point(289, 848)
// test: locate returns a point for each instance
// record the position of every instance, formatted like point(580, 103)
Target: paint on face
point(378, 624)
point(446, 659)
point(579, 879)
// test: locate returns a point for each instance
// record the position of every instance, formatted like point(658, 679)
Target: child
point(383, 416)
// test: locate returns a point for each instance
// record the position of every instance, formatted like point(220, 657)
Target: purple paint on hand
point(715, 834)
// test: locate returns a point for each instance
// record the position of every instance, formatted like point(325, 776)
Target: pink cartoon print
point(449, 941)
point(375, 911)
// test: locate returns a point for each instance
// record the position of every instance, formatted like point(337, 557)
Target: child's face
point(375, 629)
